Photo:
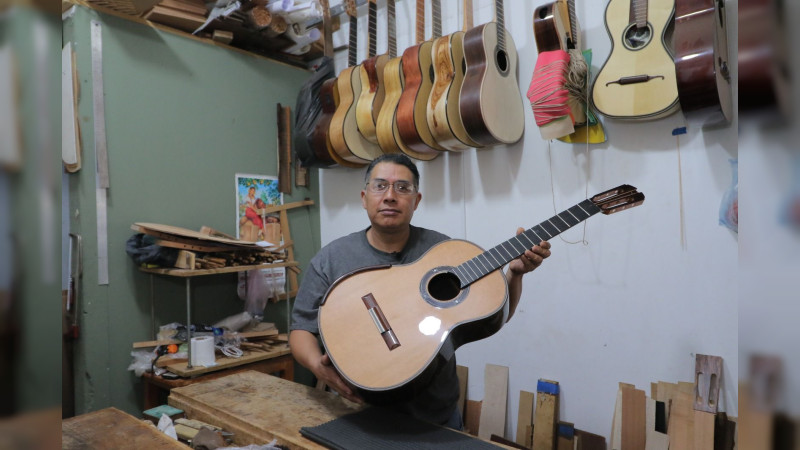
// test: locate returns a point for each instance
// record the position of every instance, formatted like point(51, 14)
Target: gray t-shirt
point(437, 401)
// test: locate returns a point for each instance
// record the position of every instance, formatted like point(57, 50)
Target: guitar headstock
point(350, 8)
point(618, 199)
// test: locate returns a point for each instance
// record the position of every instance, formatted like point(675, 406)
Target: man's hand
point(531, 259)
point(326, 372)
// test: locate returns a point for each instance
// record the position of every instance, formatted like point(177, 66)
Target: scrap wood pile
point(168, 246)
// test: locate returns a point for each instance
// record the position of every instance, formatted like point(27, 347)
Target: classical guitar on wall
point(412, 119)
point(371, 74)
point(638, 80)
point(701, 62)
point(385, 327)
point(346, 140)
point(444, 114)
point(490, 101)
point(551, 27)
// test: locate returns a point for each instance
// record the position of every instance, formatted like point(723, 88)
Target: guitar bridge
point(380, 321)
point(635, 79)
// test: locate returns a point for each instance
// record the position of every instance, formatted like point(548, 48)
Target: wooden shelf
point(230, 269)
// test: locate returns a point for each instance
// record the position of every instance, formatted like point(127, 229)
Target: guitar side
point(345, 137)
point(321, 138)
point(412, 119)
point(490, 102)
point(650, 99)
point(443, 115)
point(350, 335)
point(373, 93)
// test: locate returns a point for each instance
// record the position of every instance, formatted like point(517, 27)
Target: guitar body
point(701, 62)
point(412, 120)
point(405, 294)
point(551, 27)
point(386, 126)
point(321, 137)
point(443, 114)
point(490, 102)
point(372, 95)
point(649, 99)
point(346, 140)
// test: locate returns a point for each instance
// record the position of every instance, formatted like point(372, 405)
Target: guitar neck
point(468, 24)
point(574, 30)
point(372, 17)
point(391, 28)
point(501, 24)
point(500, 255)
point(327, 29)
point(436, 8)
point(638, 13)
point(420, 32)
point(352, 57)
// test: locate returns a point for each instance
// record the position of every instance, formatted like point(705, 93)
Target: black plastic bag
point(144, 250)
point(307, 112)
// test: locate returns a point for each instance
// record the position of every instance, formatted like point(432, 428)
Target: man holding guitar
point(390, 197)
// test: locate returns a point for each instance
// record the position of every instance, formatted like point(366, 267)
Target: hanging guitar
point(383, 327)
point(701, 62)
point(638, 80)
point(490, 102)
point(371, 74)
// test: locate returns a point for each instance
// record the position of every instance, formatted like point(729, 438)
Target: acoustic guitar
point(386, 126)
point(701, 62)
point(385, 327)
point(346, 140)
point(551, 27)
point(373, 89)
point(638, 80)
point(490, 101)
point(443, 114)
point(412, 120)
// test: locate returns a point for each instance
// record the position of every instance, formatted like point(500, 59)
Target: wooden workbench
point(258, 408)
point(112, 428)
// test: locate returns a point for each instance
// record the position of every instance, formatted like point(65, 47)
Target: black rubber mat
point(379, 428)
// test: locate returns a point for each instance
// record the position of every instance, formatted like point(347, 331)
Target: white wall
point(632, 305)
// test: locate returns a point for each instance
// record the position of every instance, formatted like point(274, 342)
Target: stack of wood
point(186, 15)
point(209, 248)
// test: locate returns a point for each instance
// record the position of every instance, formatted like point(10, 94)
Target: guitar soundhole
point(637, 38)
point(501, 59)
point(431, 73)
point(463, 65)
point(444, 287)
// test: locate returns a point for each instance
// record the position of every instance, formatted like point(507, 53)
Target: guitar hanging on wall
point(384, 327)
point(638, 80)
point(701, 62)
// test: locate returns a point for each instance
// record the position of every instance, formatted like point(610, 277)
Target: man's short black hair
point(395, 158)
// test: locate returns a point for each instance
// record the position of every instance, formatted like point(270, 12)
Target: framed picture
point(254, 193)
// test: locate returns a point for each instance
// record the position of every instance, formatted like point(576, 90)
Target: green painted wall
point(182, 118)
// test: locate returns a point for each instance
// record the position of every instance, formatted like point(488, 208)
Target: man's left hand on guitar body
point(529, 260)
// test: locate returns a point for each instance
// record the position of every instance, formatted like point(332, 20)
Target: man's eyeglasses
point(379, 186)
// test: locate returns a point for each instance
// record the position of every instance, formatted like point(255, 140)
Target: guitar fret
point(485, 269)
point(470, 269)
point(372, 17)
point(353, 46)
point(437, 18)
point(463, 275)
point(510, 255)
point(500, 19)
point(420, 10)
point(495, 259)
point(489, 267)
point(578, 212)
point(524, 248)
point(569, 225)
point(543, 230)
point(537, 235)
point(573, 215)
point(554, 226)
point(526, 237)
point(551, 231)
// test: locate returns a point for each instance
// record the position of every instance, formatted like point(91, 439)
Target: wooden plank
point(225, 362)
point(525, 415)
point(703, 430)
point(566, 436)
point(180, 20)
point(258, 408)
point(287, 237)
point(495, 401)
point(657, 441)
point(112, 428)
point(634, 433)
point(169, 231)
point(472, 417)
point(681, 422)
point(707, 371)
point(463, 378)
point(666, 393)
point(589, 441)
point(615, 441)
point(284, 149)
point(227, 269)
point(546, 415)
point(146, 344)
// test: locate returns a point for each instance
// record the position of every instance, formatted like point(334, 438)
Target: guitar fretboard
point(372, 26)
point(501, 24)
point(500, 255)
point(352, 58)
point(391, 28)
point(436, 8)
point(420, 32)
point(467, 15)
point(327, 28)
point(638, 13)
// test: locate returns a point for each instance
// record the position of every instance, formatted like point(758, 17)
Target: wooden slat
point(615, 441)
point(566, 436)
point(495, 401)
point(525, 415)
point(228, 269)
point(708, 372)
point(112, 428)
point(472, 417)
point(545, 417)
point(703, 430)
point(225, 362)
point(681, 422)
point(589, 441)
point(634, 433)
